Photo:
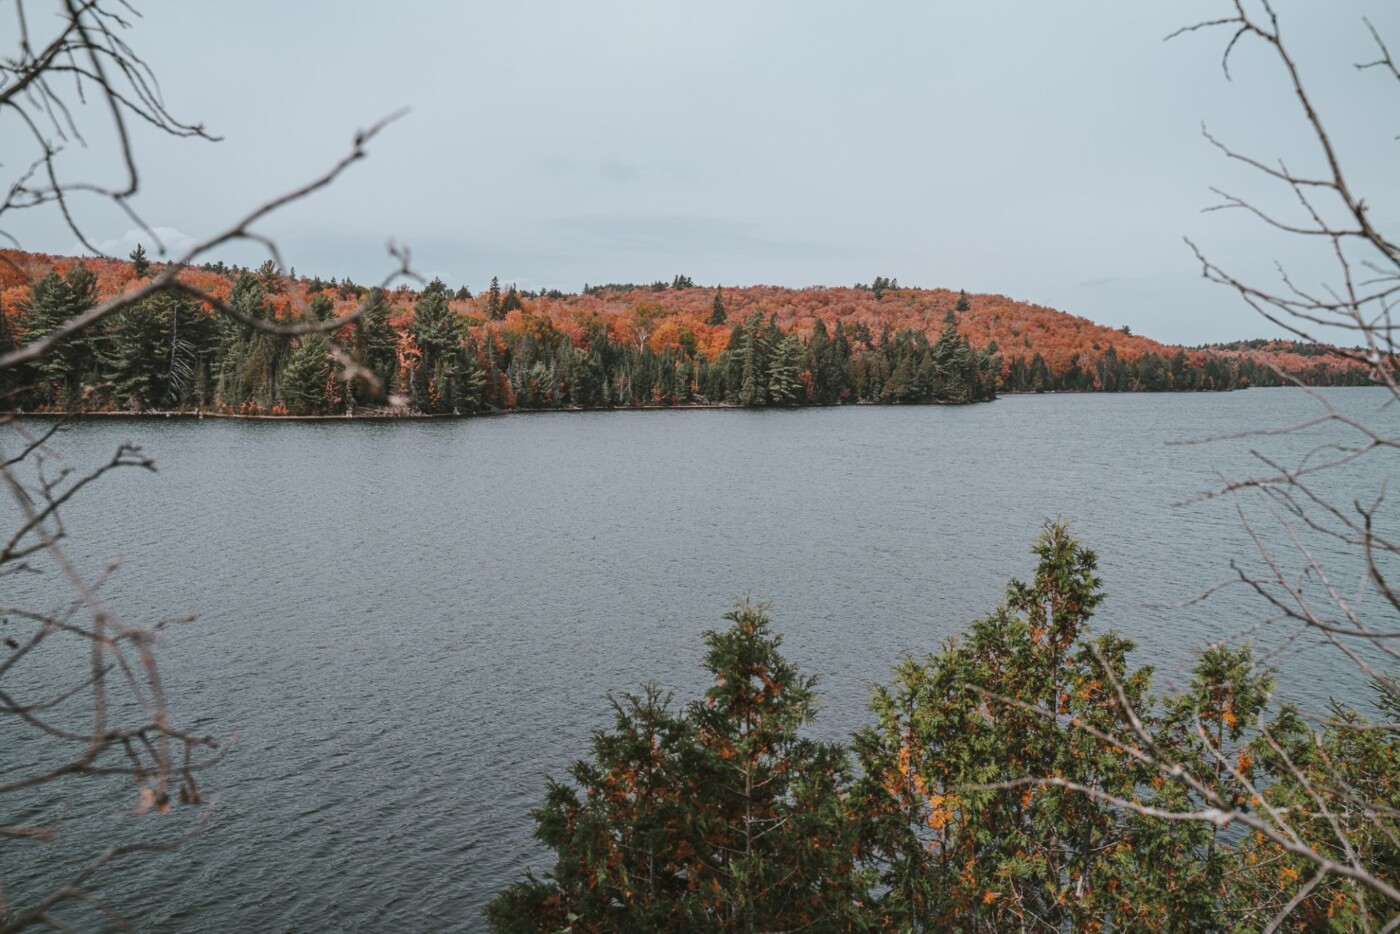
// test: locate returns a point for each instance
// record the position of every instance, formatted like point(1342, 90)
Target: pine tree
point(785, 354)
point(717, 313)
point(308, 372)
point(73, 363)
point(252, 360)
point(753, 380)
point(321, 307)
point(955, 373)
point(493, 301)
point(374, 346)
point(131, 357)
point(140, 265)
point(158, 353)
point(900, 386)
point(9, 379)
point(447, 378)
point(511, 302)
point(269, 276)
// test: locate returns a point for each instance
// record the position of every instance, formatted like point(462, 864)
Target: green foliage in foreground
point(718, 815)
point(1002, 786)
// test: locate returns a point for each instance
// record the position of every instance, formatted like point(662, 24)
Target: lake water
point(409, 624)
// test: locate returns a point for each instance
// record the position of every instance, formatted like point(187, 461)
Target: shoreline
point(495, 413)
point(498, 413)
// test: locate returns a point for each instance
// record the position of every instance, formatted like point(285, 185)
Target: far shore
point(490, 413)
point(382, 416)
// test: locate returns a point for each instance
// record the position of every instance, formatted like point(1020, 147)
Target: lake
point(410, 624)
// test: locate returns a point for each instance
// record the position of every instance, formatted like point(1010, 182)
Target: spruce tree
point(140, 265)
point(753, 380)
point(717, 313)
point(139, 354)
point(493, 301)
point(53, 301)
point(955, 368)
point(374, 346)
point(511, 302)
point(159, 353)
point(308, 372)
point(447, 378)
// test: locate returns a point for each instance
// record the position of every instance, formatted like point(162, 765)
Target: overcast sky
point(1051, 152)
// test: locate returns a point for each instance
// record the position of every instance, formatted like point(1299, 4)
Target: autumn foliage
point(440, 351)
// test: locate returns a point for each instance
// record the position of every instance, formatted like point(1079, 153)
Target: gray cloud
point(614, 169)
point(160, 243)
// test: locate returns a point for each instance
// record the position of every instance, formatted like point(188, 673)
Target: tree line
point(1016, 779)
point(440, 351)
point(1154, 372)
point(167, 353)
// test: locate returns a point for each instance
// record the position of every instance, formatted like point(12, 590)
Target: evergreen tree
point(446, 378)
point(308, 373)
point(953, 827)
point(73, 363)
point(753, 381)
point(721, 817)
point(269, 276)
point(1040, 377)
point(511, 302)
point(374, 346)
point(131, 357)
point(956, 378)
point(493, 301)
point(9, 341)
point(321, 307)
point(717, 313)
point(826, 361)
point(159, 353)
point(140, 265)
point(785, 354)
point(253, 360)
point(900, 387)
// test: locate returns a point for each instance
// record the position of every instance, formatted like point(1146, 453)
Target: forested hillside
point(445, 350)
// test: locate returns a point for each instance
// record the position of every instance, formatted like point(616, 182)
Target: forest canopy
point(441, 350)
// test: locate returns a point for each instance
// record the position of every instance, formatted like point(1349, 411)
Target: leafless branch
point(68, 77)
